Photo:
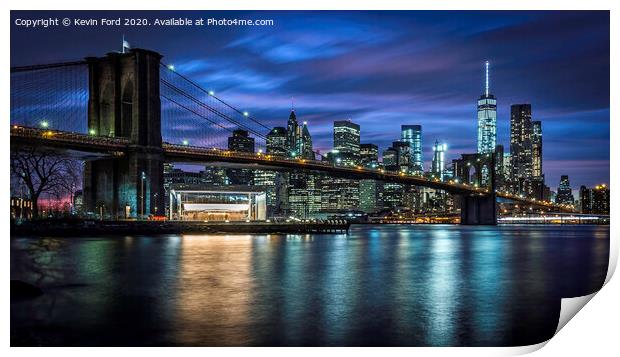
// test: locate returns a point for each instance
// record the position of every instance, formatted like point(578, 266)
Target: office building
point(594, 200)
point(240, 141)
point(564, 195)
point(438, 163)
point(347, 141)
point(487, 118)
point(521, 147)
point(412, 135)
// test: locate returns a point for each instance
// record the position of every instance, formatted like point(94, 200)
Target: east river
point(384, 285)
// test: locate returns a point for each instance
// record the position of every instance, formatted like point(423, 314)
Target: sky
point(382, 69)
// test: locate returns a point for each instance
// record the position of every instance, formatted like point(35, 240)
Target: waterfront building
point(565, 193)
point(230, 203)
point(594, 200)
point(487, 118)
point(438, 163)
point(303, 190)
point(412, 135)
point(339, 194)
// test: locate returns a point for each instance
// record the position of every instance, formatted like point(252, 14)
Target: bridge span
point(129, 112)
point(115, 146)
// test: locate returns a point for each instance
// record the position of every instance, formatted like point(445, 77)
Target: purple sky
point(384, 69)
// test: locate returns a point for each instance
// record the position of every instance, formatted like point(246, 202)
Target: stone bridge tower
point(477, 169)
point(124, 102)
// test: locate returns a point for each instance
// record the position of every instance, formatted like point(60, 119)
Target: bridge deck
point(181, 153)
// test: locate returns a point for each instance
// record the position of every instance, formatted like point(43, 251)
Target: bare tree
point(42, 171)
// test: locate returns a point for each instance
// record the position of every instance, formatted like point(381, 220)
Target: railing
point(67, 136)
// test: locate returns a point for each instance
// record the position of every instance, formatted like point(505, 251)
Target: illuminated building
point(21, 208)
point(274, 183)
point(390, 159)
point(412, 135)
point(565, 193)
point(293, 134)
point(438, 163)
point(229, 203)
point(277, 141)
point(240, 141)
point(594, 200)
point(347, 141)
point(487, 118)
point(369, 189)
point(537, 145)
point(340, 194)
point(404, 156)
point(521, 147)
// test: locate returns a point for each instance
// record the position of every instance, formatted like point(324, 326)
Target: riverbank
point(94, 228)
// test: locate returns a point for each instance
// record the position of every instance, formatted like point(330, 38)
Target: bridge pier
point(127, 187)
point(479, 210)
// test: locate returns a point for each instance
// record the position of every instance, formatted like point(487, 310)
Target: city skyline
point(374, 89)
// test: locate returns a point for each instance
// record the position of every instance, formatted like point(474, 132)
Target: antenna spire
point(486, 78)
point(292, 104)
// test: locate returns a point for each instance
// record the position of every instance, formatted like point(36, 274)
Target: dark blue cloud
point(384, 69)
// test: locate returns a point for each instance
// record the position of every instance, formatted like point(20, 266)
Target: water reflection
point(379, 285)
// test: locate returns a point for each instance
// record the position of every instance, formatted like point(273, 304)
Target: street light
point(92, 132)
point(44, 124)
point(185, 142)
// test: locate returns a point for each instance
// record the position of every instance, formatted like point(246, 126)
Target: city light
point(44, 124)
point(92, 132)
point(185, 142)
point(246, 114)
point(171, 67)
point(211, 93)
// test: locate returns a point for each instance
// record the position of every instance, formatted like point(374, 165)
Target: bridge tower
point(124, 102)
point(478, 209)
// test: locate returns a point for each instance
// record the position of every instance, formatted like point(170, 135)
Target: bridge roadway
point(24, 136)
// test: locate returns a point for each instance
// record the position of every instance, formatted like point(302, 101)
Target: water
point(384, 285)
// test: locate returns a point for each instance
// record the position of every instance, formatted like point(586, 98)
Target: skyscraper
point(594, 200)
point(277, 141)
point(487, 118)
point(565, 193)
point(240, 141)
point(293, 134)
point(369, 155)
point(412, 135)
point(521, 147)
point(347, 141)
point(438, 164)
point(340, 194)
point(369, 189)
point(537, 144)
point(305, 149)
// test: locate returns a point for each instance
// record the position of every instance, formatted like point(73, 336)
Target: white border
point(594, 328)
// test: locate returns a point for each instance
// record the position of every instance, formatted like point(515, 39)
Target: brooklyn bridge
point(127, 114)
